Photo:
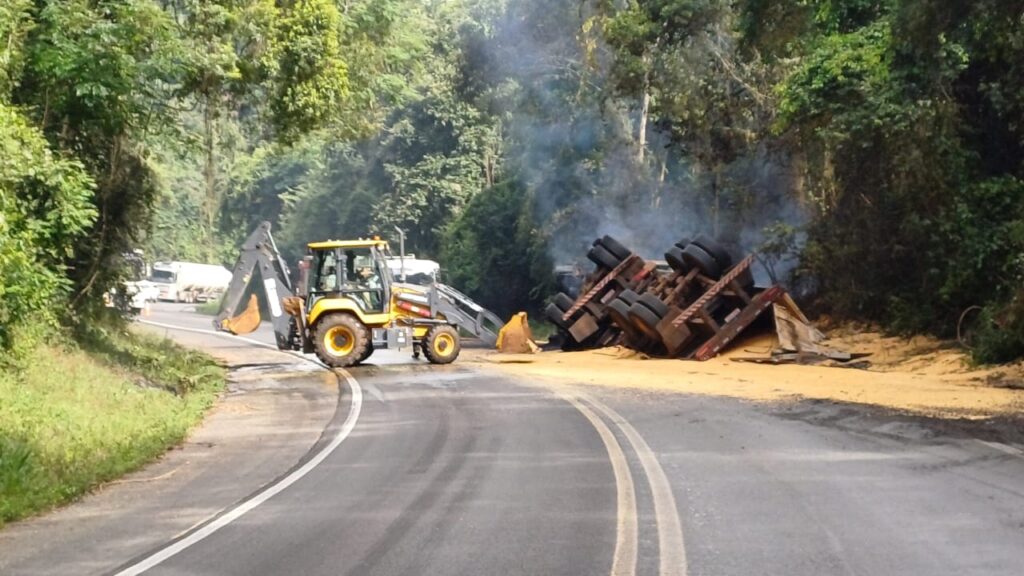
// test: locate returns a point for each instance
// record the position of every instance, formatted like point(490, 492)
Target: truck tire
point(654, 304)
point(674, 257)
point(442, 344)
point(554, 315)
point(602, 257)
point(563, 302)
point(628, 296)
point(341, 340)
point(716, 250)
point(646, 317)
point(619, 312)
point(698, 258)
point(683, 243)
point(615, 248)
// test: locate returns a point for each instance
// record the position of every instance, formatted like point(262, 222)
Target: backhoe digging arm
point(259, 253)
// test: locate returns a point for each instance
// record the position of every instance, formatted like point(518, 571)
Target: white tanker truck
point(189, 281)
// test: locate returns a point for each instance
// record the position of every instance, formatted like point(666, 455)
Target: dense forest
point(871, 151)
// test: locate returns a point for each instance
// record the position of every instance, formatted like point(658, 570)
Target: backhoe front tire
point(442, 344)
point(341, 340)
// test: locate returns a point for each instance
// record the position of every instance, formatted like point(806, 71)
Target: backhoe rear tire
point(442, 344)
point(341, 340)
point(367, 354)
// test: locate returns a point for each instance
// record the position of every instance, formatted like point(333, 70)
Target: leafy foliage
point(44, 212)
point(881, 139)
point(496, 252)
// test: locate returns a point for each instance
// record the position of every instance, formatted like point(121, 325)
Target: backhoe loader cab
point(346, 304)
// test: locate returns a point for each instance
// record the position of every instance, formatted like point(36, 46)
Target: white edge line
point(268, 493)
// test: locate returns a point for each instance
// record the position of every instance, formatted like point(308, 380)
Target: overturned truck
point(692, 306)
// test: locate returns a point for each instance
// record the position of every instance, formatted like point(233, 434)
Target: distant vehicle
point(189, 281)
point(569, 279)
point(416, 271)
point(136, 290)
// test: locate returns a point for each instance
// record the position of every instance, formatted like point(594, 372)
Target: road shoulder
point(274, 410)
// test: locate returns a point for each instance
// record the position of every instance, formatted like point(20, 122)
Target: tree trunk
point(211, 203)
point(645, 108)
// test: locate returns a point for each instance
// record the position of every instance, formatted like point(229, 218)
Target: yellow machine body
point(346, 304)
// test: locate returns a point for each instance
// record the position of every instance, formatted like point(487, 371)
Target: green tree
point(45, 211)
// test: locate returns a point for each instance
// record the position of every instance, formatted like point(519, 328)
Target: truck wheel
point(554, 315)
point(341, 340)
point(616, 248)
point(563, 302)
point(602, 257)
point(698, 258)
point(647, 319)
point(619, 312)
point(442, 344)
point(716, 250)
point(652, 302)
point(628, 296)
point(674, 257)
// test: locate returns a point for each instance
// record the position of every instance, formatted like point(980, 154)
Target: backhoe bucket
point(515, 337)
point(245, 322)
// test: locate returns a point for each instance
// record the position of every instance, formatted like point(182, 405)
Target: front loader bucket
point(515, 337)
point(245, 322)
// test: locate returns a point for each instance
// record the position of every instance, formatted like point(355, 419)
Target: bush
point(44, 210)
point(1000, 334)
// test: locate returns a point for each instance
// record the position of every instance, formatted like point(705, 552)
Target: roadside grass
point(73, 419)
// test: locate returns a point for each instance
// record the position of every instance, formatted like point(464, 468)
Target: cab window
point(326, 278)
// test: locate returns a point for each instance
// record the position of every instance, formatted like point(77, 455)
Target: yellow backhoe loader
point(345, 304)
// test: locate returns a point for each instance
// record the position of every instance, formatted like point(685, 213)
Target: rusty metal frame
point(712, 346)
point(600, 286)
point(713, 292)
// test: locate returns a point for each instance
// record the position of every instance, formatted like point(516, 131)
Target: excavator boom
point(259, 254)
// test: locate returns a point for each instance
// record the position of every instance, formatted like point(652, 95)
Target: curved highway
point(459, 470)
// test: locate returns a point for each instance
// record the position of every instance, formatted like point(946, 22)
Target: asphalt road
point(460, 470)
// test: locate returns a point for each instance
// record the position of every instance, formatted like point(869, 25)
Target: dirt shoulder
point(919, 376)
